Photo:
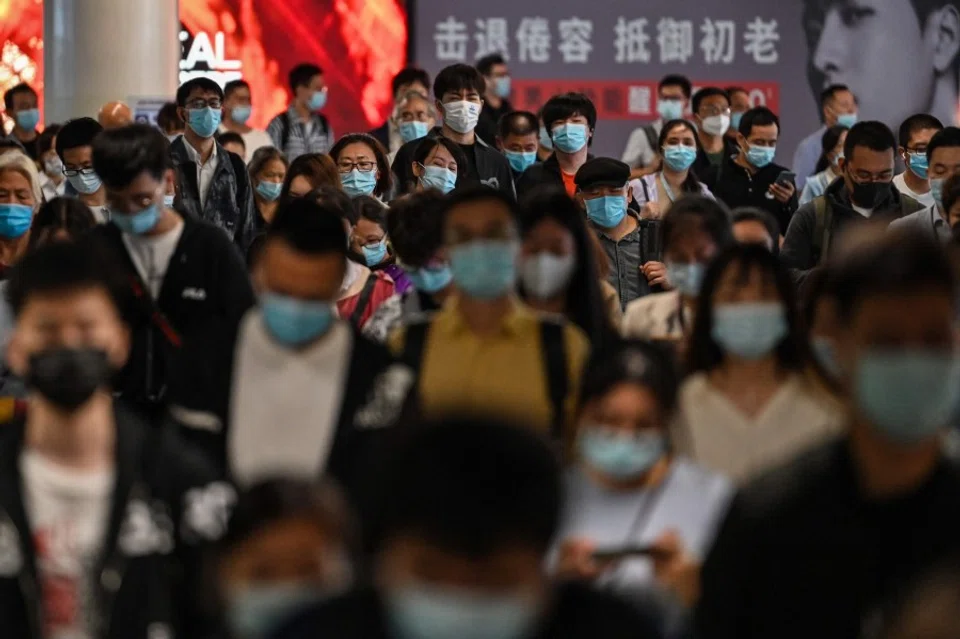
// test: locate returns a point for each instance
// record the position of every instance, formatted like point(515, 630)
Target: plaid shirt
point(299, 142)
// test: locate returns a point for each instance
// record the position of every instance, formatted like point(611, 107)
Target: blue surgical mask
point(28, 119)
point(410, 131)
point(317, 101)
point(270, 191)
point(735, 120)
point(502, 87)
point(294, 322)
point(137, 223)
point(686, 278)
point(438, 177)
point(621, 456)
point(433, 612)
point(825, 352)
point(936, 190)
point(373, 254)
point(241, 114)
point(255, 612)
point(431, 280)
point(168, 201)
point(607, 211)
point(679, 157)
point(204, 122)
point(357, 182)
point(86, 183)
point(907, 394)
point(520, 161)
point(847, 119)
point(484, 269)
point(918, 164)
point(749, 330)
point(761, 156)
point(670, 109)
point(570, 138)
point(15, 220)
point(545, 140)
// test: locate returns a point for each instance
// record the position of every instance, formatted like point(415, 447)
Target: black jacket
point(229, 204)
point(540, 174)
point(382, 134)
point(732, 184)
point(487, 165)
point(489, 121)
point(205, 292)
point(576, 612)
point(149, 578)
point(702, 164)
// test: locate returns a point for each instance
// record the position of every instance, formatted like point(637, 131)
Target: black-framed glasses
point(215, 103)
point(87, 170)
point(364, 167)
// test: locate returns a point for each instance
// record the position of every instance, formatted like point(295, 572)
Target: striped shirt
point(313, 136)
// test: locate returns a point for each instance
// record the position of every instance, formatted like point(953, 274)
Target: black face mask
point(869, 195)
point(68, 377)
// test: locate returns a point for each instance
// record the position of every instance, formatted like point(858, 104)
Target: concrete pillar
point(96, 51)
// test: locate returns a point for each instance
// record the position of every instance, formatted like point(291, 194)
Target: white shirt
point(68, 512)
point(639, 153)
point(100, 213)
point(292, 434)
point(924, 198)
point(862, 211)
point(656, 316)
point(712, 431)
point(204, 171)
point(151, 255)
point(252, 140)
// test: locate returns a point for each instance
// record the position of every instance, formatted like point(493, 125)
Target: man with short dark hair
point(188, 285)
point(915, 134)
point(712, 115)
point(864, 192)
point(21, 104)
point(518, 137)
point(74, 146)
point(673, 96)
point(302, 129)
point(496, 98)
point(751, 177)
point(407, 80)
point(458, 90)
point(106, 517)
point(570, 120)
point(943, 159)
point(823, 546)
point(838, 105)
point(212, 183)
point(237, 106)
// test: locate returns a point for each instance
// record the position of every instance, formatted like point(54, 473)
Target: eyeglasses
point(87, 170)
point(712, 110)
point(364, 167)
point(215, 103)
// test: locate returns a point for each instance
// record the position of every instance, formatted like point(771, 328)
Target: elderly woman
point(414, 116)
point(20, 197)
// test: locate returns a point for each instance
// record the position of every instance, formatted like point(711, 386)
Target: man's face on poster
point(895, 55)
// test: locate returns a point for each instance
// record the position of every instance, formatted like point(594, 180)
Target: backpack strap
point(646, 191)
point(284, 131)
point(652, 138)
point(364, 301)
point(555, 362)
point(823, 214)
point(414, 344)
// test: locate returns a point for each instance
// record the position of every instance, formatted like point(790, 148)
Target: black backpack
point(285, 125)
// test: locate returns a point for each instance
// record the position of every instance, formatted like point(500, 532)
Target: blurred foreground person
point(817, 547)
point(114, 115)
point(468, 510)
point(288, 547)
point(103, 516)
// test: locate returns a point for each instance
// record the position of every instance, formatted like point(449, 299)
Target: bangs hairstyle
point(702, 213)
point(385, 181)
point(415, 227)
point(318, 169)
point(425, 149)
point(691, 184)
point(633, 362)
point(262, 157)
point(704, 354)
point(309, 227)
point(18, 162)
point(121, 155)
point(567, 105)
point(334, 199)
point(66, 214)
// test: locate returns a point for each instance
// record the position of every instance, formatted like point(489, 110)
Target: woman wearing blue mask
point(288, 547)
point(747, 405)
point(629, 490)
point(267, 169)
point(438, 163)
point(362, 163)
point(828, 166)
point(369, 244)
point(415, 116)
point(655, 193)
point(20, 197)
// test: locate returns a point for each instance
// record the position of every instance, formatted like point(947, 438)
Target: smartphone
point(786, 177)
point(625, 552)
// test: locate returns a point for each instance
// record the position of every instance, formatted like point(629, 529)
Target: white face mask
point(716, 124)
point(544, 275)
point(461, 116)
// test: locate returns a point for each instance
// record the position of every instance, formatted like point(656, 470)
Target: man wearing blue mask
point(237, 109)
point(673, 97)
point(942, 154)
point(842, 531)
point(188, 285)
point(21, 105)
point(75, 149)
point(212, 183)
point(302, 128)
point(570, 119)
point(485, 350)
point(496, 99)
point(915, 134)
point(751, 177)
point(392, 134)
point(467, 511)
point(517, 137)
point(838, 106)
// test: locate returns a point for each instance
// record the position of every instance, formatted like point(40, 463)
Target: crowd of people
point(457, 377)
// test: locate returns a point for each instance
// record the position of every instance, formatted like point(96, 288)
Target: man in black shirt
point(496, 104)
point(822, 547)
point(457, 89)
point(750, 178)
point(20, 104)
